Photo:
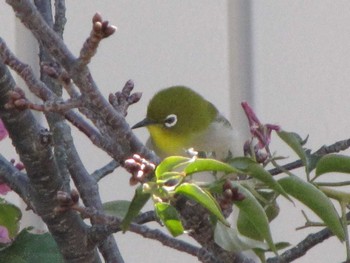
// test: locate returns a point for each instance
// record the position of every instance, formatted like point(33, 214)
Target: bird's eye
point(170, 120)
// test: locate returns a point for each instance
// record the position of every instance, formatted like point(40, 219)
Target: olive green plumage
point(178, 118)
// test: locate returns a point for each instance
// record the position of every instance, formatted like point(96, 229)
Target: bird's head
point(174, 116)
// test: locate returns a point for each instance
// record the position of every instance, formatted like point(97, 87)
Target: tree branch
point(309, 242)
point(33, 144)
point(196, 218)
point(105, 170)
point(65, 152)
point(100, 30)
point(60, 17)
point(88, 190)
point(16, 180)
point(111, 224)
point(111, 123)
point(333, 148)
point(300, 249)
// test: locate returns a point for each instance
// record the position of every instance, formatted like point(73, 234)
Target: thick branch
point(32, 143)
point(65, 152)
point(197, 220)
point(88, 190)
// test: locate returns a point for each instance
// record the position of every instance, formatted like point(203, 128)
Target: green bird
point(178, 119)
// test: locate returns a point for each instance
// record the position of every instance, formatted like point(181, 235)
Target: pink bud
point(4, 235)
point(4, 189)
point(3, 131)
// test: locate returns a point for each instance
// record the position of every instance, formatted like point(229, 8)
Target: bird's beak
point(143, 123)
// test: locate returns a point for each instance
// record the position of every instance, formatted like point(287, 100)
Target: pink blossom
point(262, 132)
point(4, 189)
point(3, 131)
point(257, 146)
point(4, 235)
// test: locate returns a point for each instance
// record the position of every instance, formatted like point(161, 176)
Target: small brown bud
point(133, 181)
point(97, 18)
point(75, 196)
point(227, 193)
point(97, 26)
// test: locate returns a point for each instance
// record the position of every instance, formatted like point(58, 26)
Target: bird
point(178, 119)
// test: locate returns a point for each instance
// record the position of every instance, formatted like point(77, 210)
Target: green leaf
point(117, 208)
point(316, 200)
point(170, 163)
point(169, 177)
point(255, 170)
point(246, 228)
point(255, 213)
point(231, 240)
point(312, 159)
point(333, 163)
point(32, 248)
point(202, 165)
point(340, 196)
point(138, 202)
point(294, 141)
point(170, 218)
point(202, 197)
point(216, 186)
point(10, 216)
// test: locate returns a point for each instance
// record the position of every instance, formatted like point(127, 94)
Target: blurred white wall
point(290, 59)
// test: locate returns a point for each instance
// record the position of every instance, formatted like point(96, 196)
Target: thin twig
point(25, 71)
point(333, 148)
point(105, 170)
point(41, 90)
point(106, 225)
point(122, 143)
point(100, 30)
point(156, 234)
point(55, 71)
point(304, 246)
point(122, 100)
point(60, 17)
point(15, 179)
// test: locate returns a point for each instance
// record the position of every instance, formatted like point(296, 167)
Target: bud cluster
point(230, 194)
point(139, 167)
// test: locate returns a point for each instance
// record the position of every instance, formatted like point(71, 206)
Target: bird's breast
point(168, 143)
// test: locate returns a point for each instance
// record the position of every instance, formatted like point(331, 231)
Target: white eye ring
point(170, 120)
